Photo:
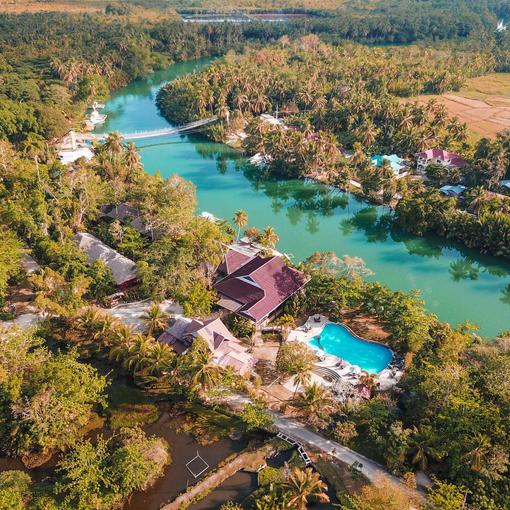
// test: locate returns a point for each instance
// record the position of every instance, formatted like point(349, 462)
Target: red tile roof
point(233, 261)
point(260, 286)
point(455, 159)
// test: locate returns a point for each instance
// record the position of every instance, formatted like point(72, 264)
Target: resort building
point(68, 156)
point(449, 160)
point(131, 216)
point(125, 272)
point(397, 164)
point(255, 287)
point(226, 349)
point(452, 191)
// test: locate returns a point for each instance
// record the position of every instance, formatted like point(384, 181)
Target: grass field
point(483, 104)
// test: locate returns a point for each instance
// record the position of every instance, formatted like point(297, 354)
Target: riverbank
point(457, 283)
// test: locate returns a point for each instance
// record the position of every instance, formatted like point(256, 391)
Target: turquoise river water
point(457, 283)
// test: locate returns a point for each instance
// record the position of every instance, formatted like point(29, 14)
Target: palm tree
point(475, 197)
point(155, 320)
point(269, 237)
point(160, 358)
point(137, 354)
point(303, 486)
point(132, 158)
point(121, 343)
point(206, 376)
point(477, 457)
point(316, 404)
point(241, 220)
point(253, 233)
point(422, 449)
point(301, 379)
point(113, 143)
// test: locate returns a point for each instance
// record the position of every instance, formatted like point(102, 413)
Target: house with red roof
point(449, 160)
point(255, 287)
point(226, 349)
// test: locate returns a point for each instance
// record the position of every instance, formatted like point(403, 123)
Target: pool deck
point(345, 371)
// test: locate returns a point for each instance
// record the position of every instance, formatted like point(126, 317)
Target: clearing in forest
point(483, 104)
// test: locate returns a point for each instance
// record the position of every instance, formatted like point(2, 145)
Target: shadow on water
point(456, 283)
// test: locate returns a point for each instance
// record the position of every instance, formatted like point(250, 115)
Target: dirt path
point(250, 460)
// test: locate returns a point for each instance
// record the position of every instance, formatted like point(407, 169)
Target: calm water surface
point(456, 283)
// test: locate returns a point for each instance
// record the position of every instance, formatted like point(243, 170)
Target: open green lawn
point(129, 406)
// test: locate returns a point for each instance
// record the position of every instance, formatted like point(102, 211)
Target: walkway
point(372, 470)
point(89, 137)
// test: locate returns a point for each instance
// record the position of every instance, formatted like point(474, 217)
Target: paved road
point(374, 471)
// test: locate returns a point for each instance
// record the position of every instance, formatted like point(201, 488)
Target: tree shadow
point(464, 269)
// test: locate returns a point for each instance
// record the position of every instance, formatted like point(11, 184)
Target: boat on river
point(96, 118)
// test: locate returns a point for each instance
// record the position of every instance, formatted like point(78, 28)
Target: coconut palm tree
point(160, 359)
point(269, 237)
point(475, 198)
point(477, 457)
point(137, 353)
point(315, 404)
point(132, 158)
point(121, 343)
point(302, 486)
point(241, 220)
point(113, 143)
point(155, 320)
point(301, 379)
point(206, 376)
point(422, 448)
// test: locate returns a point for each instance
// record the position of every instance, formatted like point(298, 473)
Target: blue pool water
point(339, 341)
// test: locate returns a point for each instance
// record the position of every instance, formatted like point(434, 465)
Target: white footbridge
point(139, 135)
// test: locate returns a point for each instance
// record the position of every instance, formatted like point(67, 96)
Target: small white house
point(68, 156)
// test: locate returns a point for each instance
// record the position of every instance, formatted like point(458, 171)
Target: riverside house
point(124, 270)
point(397, 164)
point(226, 349)
point(256, 287)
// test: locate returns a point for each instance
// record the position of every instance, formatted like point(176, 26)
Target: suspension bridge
point(139, 135)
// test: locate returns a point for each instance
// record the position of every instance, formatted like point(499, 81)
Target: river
point(456, 283)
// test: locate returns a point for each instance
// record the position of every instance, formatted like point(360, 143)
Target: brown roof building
point(226, 349)
point(256, 287)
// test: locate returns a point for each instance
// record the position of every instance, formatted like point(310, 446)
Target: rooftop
point(129, 215)
point(123, 269)
point(259, 286)
point(70, 156)
point(452, 191)
point(226, 348)
point(452, 157)
point(397, 164)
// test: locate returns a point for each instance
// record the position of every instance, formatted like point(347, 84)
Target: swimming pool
point(338, 340)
